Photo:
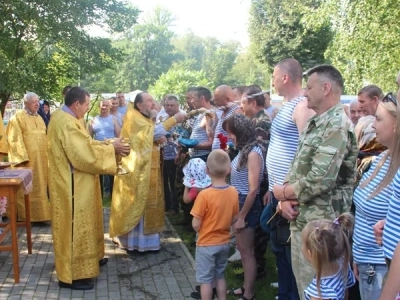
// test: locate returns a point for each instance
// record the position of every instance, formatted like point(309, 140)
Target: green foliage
point(278, 30)
point(100, 82)
point(215, 58)
point(147, 52)
point(42, 43)
point(219, 59)
point(366, 45)
point(247, 71)
point(177, 81)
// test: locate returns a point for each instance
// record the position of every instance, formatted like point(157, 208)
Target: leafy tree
point(100, 82)
point(247, 71)
point(177, 81)
point(278, 30)
point(366, 45)
point(148, 52)
point(42, 42)
point(215, 58)
point(190, 47)
point(219, 59)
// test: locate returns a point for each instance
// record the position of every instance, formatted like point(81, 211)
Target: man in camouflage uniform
point(320, 181)
point(181, 160)
point(252, 104)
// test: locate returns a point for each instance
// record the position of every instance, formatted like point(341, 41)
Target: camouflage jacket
point(262, 123)
point(323, 171)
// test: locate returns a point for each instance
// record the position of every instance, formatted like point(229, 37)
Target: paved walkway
point(168, 274)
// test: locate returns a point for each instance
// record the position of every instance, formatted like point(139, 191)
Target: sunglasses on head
point(390, 98)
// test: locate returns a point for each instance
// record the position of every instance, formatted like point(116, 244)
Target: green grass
point(263, 285)
point(107, 201)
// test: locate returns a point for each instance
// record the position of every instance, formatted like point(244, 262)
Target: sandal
point(232, 292)
point(244, 298)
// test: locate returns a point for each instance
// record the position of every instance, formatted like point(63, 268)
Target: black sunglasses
point(390, 98)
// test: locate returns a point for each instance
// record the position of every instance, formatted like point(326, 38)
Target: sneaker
point(235, 256)
point(275, 285)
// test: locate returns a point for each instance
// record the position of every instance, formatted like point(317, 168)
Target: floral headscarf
point(245, 138)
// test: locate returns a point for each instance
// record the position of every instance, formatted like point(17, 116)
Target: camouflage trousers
point(302, 269)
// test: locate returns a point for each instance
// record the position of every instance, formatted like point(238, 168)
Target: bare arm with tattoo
point(209, 125)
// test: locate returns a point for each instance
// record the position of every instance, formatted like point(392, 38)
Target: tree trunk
point(4, 99)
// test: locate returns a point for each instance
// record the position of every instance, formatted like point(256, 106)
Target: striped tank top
point(368, 212)
point(331, 287)
point(199, 134)
point(283, 144)
point(103, 128)
point(219, 129)
point(240, 178)
point(391, 231)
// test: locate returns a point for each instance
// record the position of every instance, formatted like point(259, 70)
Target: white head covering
point(195, 174)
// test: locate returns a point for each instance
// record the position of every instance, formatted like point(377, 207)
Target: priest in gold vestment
point(75, 161)
point(137, 206)
point(3, 140)
point(27, 146)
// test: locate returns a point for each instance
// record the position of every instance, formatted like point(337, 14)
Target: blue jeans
point(371, 291)
point(287, 282)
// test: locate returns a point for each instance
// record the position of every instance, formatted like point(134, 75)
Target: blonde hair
point(218, 163)
point(395, 151)
point(394, 159)
point(328, 242)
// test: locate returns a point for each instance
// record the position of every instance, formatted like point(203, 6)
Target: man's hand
point(121, 149)
point(355, 271)
point(180, 117)
point(266, 198)
point(239, 225)
point(287, 208)
point(278, 192)
point(378, 231)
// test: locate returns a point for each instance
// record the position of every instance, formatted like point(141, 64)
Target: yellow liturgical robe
point(75, 159)
point(3, 140)
point(140, 192)
point(27, 142)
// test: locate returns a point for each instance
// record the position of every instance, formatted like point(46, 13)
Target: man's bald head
point(223, 95)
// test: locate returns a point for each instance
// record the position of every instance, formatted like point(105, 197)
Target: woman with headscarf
point(246, 175)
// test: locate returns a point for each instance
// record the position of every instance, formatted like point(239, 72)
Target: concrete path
point(168, 274)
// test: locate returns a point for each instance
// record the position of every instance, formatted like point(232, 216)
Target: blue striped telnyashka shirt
point(283, 144)
point(240, 178)
point(219, 129)
point(199, 134)
point(391, 231)
point(331, 287)
point(368, 212)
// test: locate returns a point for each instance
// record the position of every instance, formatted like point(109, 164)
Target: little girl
point(195, 180)
point(326, 246)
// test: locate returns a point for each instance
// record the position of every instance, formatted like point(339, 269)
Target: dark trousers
point(169, 175)
point(180, 188)
point(260, 241)
point(287, 282)
point(106, 184)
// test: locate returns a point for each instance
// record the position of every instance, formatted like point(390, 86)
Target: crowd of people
point(316, 180)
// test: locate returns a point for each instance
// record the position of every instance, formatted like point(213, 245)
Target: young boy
point(214, 211)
